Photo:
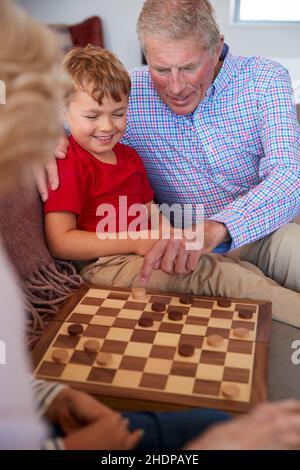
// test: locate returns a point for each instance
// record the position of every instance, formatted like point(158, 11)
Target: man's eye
point(190, 69)
point(91, 117)
point(162, 71)
point(118, 115)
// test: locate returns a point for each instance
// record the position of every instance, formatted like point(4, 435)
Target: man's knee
point(286, 239)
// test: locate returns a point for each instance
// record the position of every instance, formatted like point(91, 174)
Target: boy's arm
point(158, 220)
point(66, 242)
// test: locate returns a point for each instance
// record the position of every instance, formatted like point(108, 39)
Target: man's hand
point(270, 426)
point(71, 410)
point(107, 433)
point(42, 175)
point(172, 257)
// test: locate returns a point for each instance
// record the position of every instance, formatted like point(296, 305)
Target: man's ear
point(219, 48)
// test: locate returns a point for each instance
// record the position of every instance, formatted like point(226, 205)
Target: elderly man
point(217, 130)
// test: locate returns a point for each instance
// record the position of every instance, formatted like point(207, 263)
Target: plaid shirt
point(238, 153)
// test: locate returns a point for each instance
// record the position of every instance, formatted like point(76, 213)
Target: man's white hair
point(178, 19)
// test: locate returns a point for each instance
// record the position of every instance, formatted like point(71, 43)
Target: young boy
point(99, 172)
point(98, 169)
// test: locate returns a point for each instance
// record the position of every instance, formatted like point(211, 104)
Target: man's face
point(181, 70)
point(97, 128)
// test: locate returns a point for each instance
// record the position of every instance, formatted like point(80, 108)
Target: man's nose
point(176, 82)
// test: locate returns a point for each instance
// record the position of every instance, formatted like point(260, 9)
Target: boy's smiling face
point(97, 128)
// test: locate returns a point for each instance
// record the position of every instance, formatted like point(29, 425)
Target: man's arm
point(276, 199)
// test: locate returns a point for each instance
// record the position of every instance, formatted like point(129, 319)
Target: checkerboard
point(146, 370)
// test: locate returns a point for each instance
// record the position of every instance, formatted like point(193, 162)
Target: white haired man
point(217, 130)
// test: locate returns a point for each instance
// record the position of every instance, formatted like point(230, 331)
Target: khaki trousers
point(277, 256)
point(215, 275)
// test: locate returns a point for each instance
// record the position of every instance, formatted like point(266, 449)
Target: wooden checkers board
point(144, 368)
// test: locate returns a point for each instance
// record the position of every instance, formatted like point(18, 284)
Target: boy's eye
point(91, 117)
point(119, 115)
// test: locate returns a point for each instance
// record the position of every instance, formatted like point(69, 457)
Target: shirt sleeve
point(276, 199)
point(71, 192)
point(45, 393)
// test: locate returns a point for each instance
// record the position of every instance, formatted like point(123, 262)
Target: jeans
point(172, 430)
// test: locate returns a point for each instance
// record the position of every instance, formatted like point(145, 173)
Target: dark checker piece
point(224, 303)
point(158, 307)
point(174, 315)
point(75, 329)
point(186, 299)
point(146, 322)
point(186, 350)
point(245, 314)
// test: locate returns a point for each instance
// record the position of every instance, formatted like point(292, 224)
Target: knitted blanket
point(45, 282)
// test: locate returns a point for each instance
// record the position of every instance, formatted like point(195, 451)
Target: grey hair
point(178, 19)
point(29, 55)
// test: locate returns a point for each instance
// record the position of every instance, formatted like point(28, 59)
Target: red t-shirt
point(86, 183)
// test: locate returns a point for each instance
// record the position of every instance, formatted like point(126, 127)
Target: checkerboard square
point(133, 363)
point(51, 369)
point(162, 365)
point(138, 349)
point(101, 375)
point(184, 368)
point(162, 352)
point(156, 381)
point(82, 358)
point(207, 387)
point(119, 334)
point(210, 371)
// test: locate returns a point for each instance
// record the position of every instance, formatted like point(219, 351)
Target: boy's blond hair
point(98, 72)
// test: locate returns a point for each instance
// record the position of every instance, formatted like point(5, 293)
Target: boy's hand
point(49, 174)
point(72, 410)
point(108, 433)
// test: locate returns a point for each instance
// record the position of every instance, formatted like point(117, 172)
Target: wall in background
point(280, 43)
point(119, 22)
point(118, 17)
point(265, 40)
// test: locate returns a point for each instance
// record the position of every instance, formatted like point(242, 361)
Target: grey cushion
point(284, 376)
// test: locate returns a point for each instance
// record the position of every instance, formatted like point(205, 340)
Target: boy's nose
point(106, 124)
